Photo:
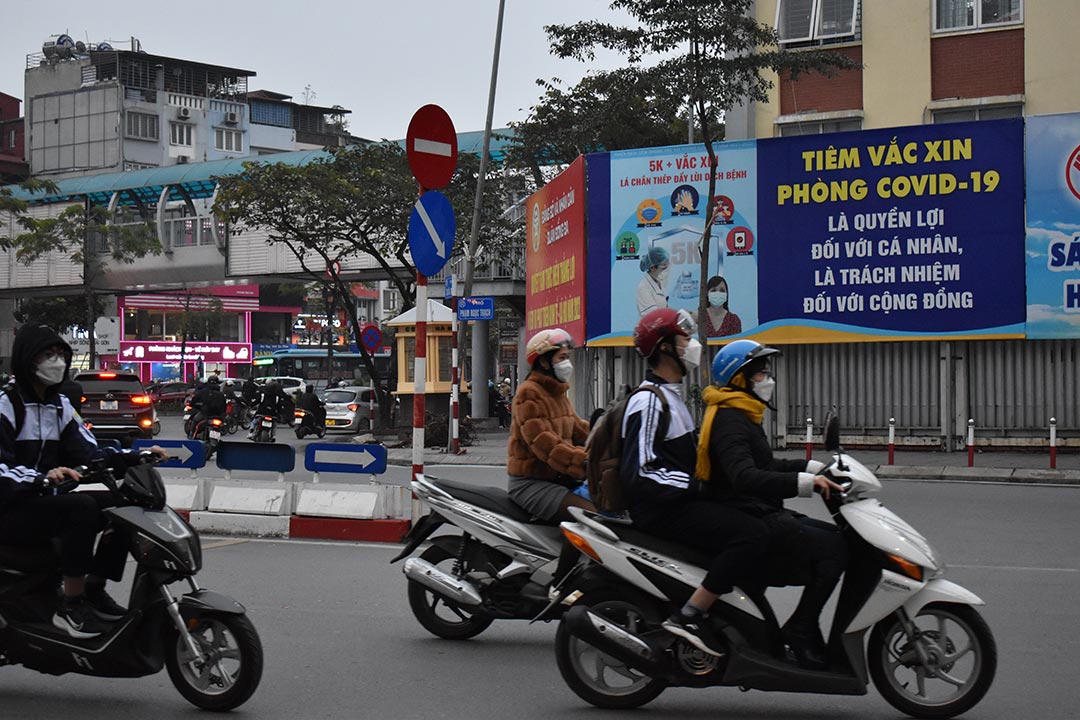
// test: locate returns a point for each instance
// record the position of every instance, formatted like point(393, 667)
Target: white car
point(291, 386)
point(349, 408)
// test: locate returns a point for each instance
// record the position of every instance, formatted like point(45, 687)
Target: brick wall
point(818, 93)
point(977, 64)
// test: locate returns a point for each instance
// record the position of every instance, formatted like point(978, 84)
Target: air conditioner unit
point(232, 118)
point(184, 113)
point(182, 160)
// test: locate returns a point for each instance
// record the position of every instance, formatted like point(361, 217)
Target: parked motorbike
point(306, 423)
point(264, 429)
point(500, 566)
point(204, 639)
point(929, 652)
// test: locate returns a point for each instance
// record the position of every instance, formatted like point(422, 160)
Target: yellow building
point(923, 61)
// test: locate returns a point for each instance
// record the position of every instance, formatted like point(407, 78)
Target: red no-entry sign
point(431, 147)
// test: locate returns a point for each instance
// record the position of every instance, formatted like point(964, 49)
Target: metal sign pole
point(455, 373)
point(419, 375)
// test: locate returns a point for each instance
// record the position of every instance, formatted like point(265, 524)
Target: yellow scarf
point(727, 397)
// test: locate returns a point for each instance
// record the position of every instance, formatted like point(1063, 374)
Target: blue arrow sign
point(476, 308)
point(189, 454)
point(431, 232)
point(335, 457)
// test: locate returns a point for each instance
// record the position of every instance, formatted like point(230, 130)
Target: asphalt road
point(340, 641)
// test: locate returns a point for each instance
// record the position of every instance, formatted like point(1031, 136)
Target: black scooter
point(307, 423)
point(204, 639)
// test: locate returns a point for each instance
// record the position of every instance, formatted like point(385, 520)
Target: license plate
point(268, 423)
point(109, 404)
point(215, 434)
point(187, 417)
point(297, 421)
point(335, 422)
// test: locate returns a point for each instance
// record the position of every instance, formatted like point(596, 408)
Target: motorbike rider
point(546, 453)
point(41, 439)
point(311, 403)
point(270, 402)
point(736, 466)
point(208, 402)
point(657, 475)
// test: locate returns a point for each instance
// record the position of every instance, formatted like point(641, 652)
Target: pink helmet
point(545, 341)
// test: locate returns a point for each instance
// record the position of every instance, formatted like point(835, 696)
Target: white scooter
point(930, 654)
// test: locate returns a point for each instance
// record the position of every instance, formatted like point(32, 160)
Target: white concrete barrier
point(187, 493)
point(361, 502)
point(252, 497)
point(240, 524)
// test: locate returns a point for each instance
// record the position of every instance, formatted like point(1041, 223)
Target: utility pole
point(479, 388)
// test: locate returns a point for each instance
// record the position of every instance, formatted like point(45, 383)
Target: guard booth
point(439, 356)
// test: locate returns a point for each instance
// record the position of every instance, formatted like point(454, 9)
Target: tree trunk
point(328, 302)
point(706, 240)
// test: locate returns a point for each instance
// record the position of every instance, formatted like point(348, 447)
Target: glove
point(814, 467)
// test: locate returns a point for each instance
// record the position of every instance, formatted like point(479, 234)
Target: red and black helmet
point(661, 324)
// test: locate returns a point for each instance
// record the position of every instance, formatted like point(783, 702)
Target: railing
point(226, 106)
point(190, 101)
point(511, 267)
point(186, 232)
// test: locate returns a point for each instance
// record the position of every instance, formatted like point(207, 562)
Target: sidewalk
point(990, 465)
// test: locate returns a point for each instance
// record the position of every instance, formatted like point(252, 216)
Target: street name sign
point(476, 308)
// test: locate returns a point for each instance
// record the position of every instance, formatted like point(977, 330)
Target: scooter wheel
point(300, 434)
point(961, 659)
point(439, 615)
point(232, 663)
point(593, 675)
point(322, 433)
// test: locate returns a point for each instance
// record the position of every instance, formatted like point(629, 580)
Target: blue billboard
point(902, 233)
point(1053, 226)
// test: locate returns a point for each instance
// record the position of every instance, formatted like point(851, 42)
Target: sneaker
point(694, 629)
point(103, 605)
point(77, 619)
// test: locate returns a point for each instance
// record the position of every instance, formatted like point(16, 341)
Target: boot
point(802, 633)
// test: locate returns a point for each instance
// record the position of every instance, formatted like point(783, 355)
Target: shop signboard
point(169, 351)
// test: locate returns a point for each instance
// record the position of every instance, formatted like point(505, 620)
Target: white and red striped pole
point(454, 445)
point(1053, 443)
point(971, 442)
point(809, 438)
point(419, 375)
point(892, 439)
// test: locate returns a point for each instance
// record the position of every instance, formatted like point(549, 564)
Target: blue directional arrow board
point(184, 453)
point(335, 457)
point(431, 232)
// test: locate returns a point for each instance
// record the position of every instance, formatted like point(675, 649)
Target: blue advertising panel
point(654, 212)
point(902, 233)
point(1053, 226)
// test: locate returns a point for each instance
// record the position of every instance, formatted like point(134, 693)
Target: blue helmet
point(733, 357)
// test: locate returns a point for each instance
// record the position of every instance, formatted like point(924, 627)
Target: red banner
point(555, 255)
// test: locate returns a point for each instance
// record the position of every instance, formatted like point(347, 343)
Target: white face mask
point(764, 389)
point(51, 372)
point(716, 299)
point(662, 276)
point(563, 370)
point(692, 353)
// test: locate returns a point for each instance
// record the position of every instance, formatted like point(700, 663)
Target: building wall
point(975, 65)
point(815, 92)
point(1053, 85)
point(896, 55)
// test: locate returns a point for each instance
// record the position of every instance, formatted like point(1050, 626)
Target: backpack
point(604, 449)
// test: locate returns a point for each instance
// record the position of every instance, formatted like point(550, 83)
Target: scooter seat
point(27, 558)
point(490, 498)
point(676, 551)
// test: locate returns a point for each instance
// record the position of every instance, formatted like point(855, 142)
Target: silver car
point(349, 409)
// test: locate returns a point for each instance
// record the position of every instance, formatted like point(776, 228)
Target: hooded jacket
point(49, 433)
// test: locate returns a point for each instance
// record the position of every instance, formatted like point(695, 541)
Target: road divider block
point(187, 493)
point(220, 523)
point(252, 497)
point(359, 502)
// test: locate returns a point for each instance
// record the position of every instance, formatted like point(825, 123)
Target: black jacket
point(744, 470)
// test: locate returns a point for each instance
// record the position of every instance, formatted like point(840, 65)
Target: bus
point(311, 365)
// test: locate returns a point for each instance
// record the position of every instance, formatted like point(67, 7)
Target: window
point(229, 140)
point(802, 21)
point(816, 127)
point(11, 139)
point(968, 114)
point(142, 126)
point(180, 134)
point(970, 14)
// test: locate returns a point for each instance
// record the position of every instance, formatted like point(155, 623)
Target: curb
point(297, 526)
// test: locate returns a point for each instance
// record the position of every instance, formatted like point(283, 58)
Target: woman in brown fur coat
point(546, 457)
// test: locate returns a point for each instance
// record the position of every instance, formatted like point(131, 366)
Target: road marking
point(224, 543)
point(432, 147)
point(1014, 567)
point(440, 247)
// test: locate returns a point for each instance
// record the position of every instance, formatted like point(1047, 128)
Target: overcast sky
point(382, 60)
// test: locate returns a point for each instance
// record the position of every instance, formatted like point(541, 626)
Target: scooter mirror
point(832, 433)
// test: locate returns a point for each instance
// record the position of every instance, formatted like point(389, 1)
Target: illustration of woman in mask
point(719, 320)
point(652, 290)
